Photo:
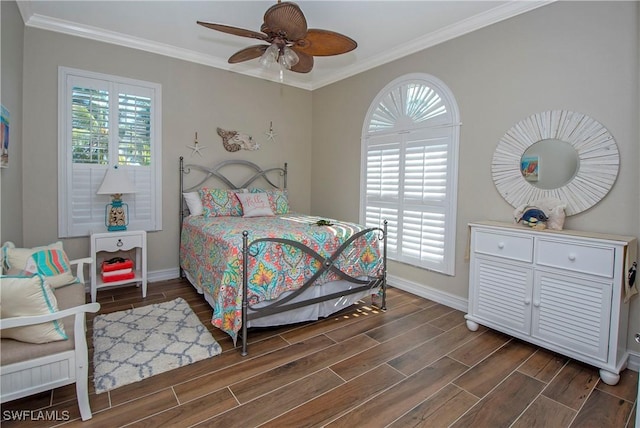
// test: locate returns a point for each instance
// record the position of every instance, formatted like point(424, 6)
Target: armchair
point(29, 368)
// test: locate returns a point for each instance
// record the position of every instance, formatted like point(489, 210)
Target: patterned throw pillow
point(27, 296)
point(219, 203)
point(52, 264)
point(49, 261)
point(15, 258)
point(278, 198)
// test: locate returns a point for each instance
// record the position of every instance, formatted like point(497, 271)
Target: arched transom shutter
point(410, 144)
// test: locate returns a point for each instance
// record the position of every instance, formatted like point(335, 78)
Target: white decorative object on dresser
point(561, 290)
point(119, 241)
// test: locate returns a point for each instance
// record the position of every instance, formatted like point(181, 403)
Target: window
point(409, 170)
point(103, 121)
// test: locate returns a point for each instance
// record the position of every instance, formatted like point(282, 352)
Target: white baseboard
point(634, 361)
point(430, 293)
point(156, 275)
point(163, 275)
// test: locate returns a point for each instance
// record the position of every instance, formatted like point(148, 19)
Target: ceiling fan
point(290, 43)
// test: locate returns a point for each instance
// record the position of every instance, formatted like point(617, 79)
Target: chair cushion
point(14, 351)
point(27, 296)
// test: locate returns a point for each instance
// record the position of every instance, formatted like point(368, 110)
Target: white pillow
point(193, 202)
point(255, 204)
point(25, 296)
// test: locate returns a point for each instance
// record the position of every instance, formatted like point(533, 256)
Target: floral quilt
point(211, 251)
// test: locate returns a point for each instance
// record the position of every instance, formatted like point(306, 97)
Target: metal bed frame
point(284, 304)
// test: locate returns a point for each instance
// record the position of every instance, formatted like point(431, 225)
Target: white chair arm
point(80, 266)
point(38, 319)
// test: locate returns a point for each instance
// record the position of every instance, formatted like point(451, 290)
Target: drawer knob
point(572, 257)
point(119, 243)
point(501, 245)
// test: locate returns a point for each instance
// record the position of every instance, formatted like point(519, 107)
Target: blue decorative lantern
point(116, 182)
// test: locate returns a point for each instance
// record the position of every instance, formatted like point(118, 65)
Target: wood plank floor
point(415, 365)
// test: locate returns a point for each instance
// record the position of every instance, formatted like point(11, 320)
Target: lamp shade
point(116, 181)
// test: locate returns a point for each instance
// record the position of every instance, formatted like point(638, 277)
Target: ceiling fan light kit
point(288, 58)
point(290, 43)
point(269, 56)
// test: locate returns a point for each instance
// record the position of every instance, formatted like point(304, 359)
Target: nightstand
point(111, 242)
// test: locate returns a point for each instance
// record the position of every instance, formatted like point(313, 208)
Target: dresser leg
point(472, 325)
point(608, 377)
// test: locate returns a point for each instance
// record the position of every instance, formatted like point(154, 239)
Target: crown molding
point(101, 35)
point(474, 23)
point(495, 15)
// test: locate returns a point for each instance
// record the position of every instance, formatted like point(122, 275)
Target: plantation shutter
point(383, 186)
point(425, 197)
point(106, 121)
point(409, 174)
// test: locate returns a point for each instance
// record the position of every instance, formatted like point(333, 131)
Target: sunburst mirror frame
point(598, 160)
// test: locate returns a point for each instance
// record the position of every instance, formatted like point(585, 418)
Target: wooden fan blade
point(248, 53)
point(234, 30)
point(285, 20)
point(325, 43)
point(305, 62)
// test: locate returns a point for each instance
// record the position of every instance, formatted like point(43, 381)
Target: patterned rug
point(138, 343)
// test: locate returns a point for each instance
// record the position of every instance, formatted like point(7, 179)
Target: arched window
point(409, 170)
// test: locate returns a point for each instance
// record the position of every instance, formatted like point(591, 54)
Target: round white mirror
point(556, 154)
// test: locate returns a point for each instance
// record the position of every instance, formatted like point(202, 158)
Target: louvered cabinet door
point(572, 312)
point(502, 294)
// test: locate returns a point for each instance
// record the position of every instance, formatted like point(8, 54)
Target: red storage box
point(108, 267)
point(118, 277)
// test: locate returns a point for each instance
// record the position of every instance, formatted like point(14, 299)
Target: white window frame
point(149, 202)
point(390, 202)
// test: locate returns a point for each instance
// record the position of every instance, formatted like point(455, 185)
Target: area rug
point(138, 343)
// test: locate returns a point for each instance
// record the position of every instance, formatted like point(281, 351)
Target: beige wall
point(580, 56)
point(194, 98)
point(12, 29)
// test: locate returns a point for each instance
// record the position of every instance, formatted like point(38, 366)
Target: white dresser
point(561, 290)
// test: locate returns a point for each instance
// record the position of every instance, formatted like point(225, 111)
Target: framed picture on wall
point(530, 167)
point(4, 136)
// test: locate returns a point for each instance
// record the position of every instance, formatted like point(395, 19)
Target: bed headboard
point(215, 172)
point(216, 177)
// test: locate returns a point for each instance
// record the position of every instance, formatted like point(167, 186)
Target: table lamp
point(116, 182)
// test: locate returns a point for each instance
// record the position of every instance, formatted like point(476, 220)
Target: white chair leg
point(82, 391)
point(82, 367)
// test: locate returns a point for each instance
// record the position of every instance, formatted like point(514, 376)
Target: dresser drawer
point(587, 259)
point(513, 247)
point(118, 243)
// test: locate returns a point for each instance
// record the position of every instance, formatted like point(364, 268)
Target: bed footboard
point(327, 264)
